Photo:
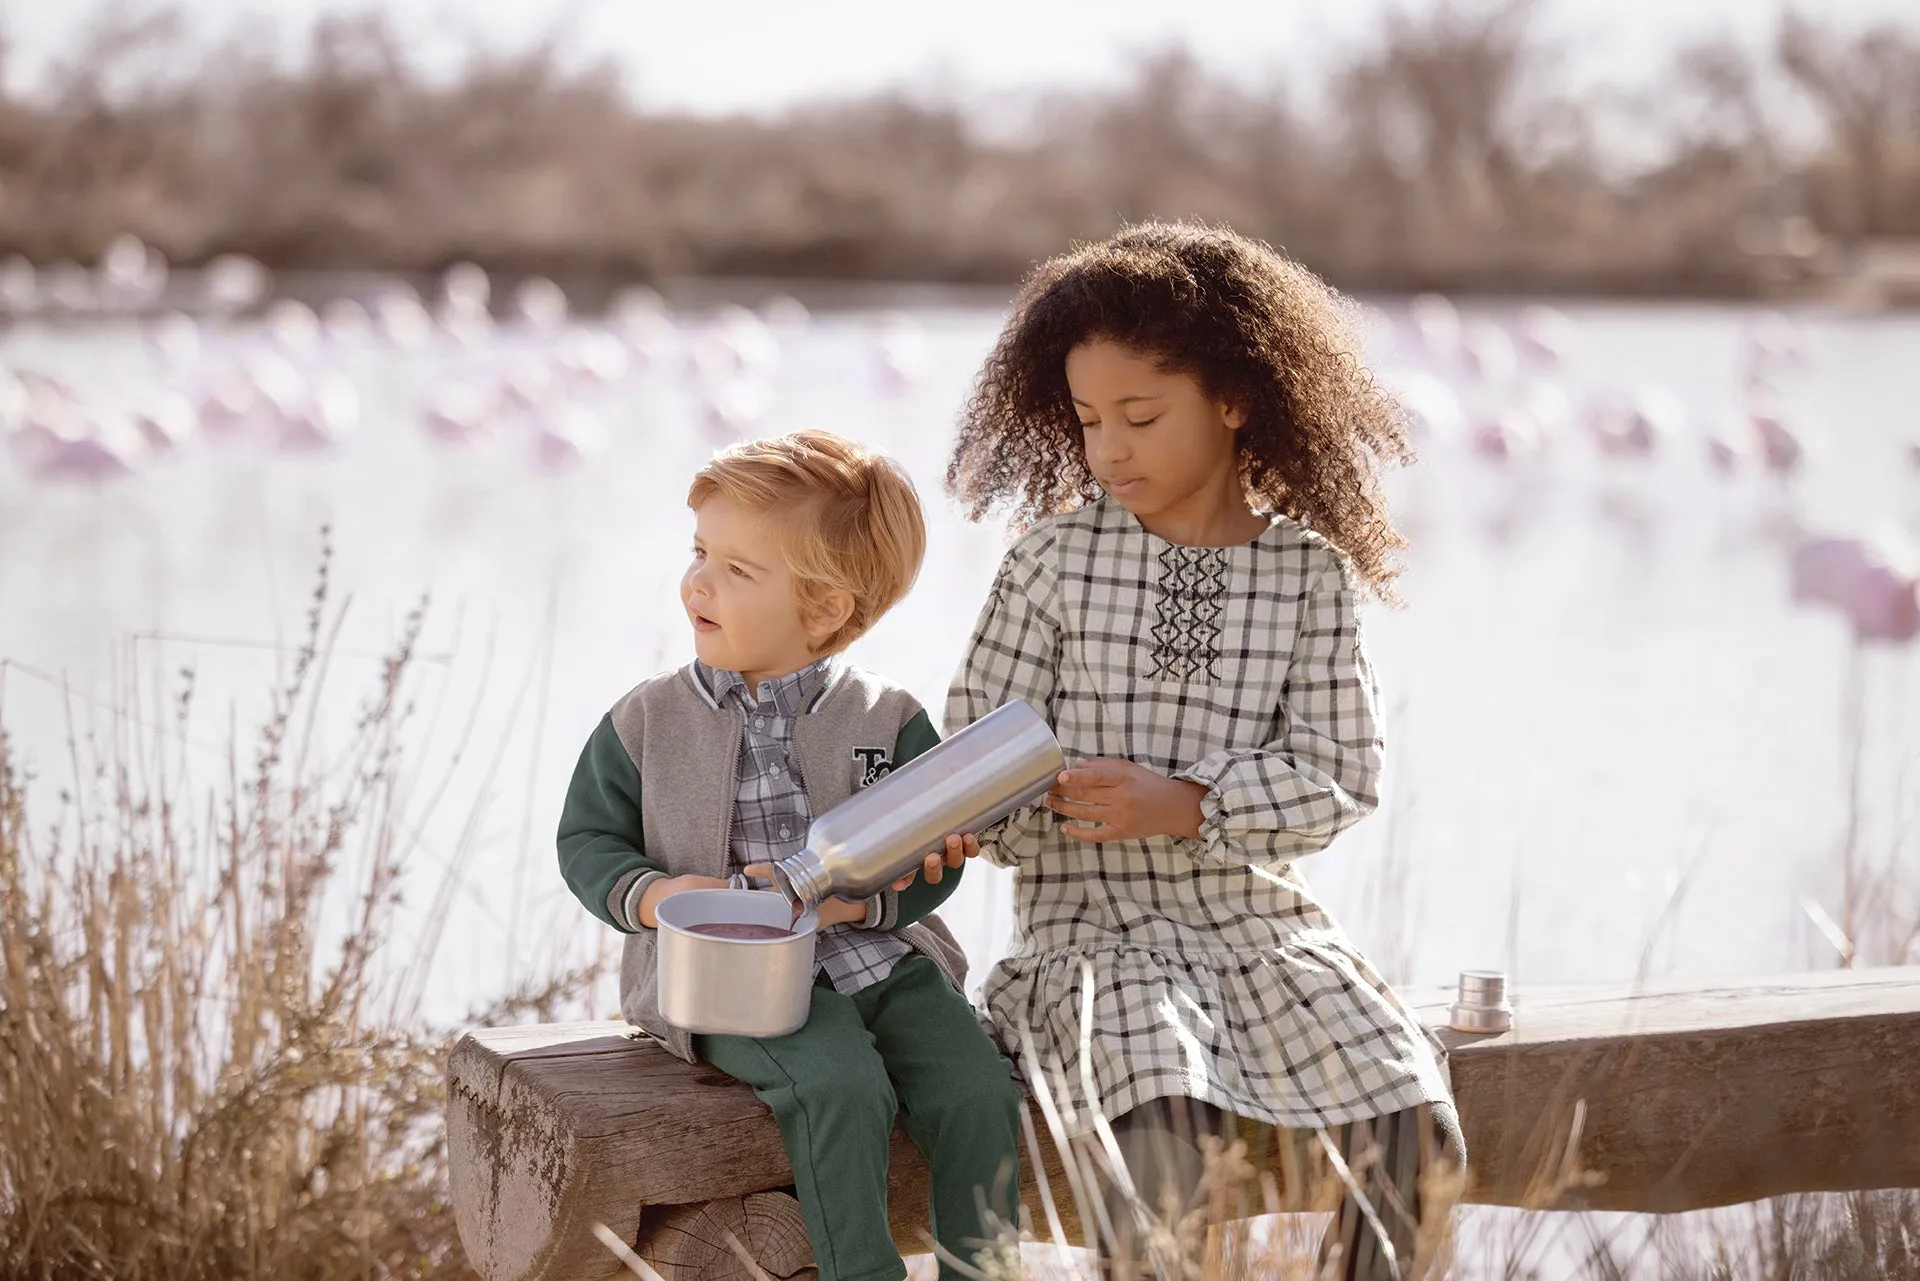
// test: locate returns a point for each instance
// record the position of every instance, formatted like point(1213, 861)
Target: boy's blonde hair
point(850, 518)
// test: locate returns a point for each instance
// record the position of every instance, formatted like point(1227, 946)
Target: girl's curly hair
point(1252, 326)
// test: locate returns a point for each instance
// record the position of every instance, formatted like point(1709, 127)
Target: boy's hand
point(1114, 800)
point(668, 886)
point(959, 850)
point(839, 911)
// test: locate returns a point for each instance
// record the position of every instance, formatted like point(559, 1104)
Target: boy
point(716, 769)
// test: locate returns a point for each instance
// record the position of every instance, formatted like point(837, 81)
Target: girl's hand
point(1114, 800)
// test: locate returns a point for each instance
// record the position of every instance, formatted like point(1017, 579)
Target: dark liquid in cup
point(740, 930)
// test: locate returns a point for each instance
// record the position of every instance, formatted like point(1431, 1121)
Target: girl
point(1182, 418)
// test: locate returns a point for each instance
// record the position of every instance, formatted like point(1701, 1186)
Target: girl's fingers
point(758, 871)
point(1098, 771)
point(1075, 809)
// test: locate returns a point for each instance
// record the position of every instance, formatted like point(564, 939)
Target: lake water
point(1616, 745)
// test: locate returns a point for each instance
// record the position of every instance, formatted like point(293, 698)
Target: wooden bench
point(1692, 1095)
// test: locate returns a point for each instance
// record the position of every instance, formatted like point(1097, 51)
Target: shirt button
point(759, 722)
point(775, 771)
point(785, 832)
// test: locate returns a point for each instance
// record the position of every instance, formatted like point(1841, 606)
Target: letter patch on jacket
point(870, 765)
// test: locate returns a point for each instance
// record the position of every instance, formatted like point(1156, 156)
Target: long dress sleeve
point(1012, 653)
point(1320, 774)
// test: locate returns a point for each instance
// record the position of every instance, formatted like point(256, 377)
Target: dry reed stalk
point(205, 1072)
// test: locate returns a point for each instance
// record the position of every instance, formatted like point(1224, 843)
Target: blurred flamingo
point(1783, 449)
point(1487, 353)
point(346, 322)
point(1639, 425)
point(900, 352)
point(165, 421)
point(733, 410)
point(1858, 578)
point(639, 317)
point(541, 304)
point(1434, 413)
point(1503, 436)
point(1547, 336)
point(594, 358)
point(786, 314)
point(175, 339)
point(293, 328)
point(69, 286)
point(132, 276)
point(1435, 326)
point(400, 319)
point(19, 286)
point(456, 414)
point(235, 282)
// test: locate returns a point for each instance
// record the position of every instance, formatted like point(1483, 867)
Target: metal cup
point(1481, 1004)
point(737, 987)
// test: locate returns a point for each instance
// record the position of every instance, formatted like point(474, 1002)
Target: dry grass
point(1446, 149)
point(211, 1067)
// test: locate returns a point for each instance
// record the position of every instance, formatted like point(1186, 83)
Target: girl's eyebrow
point(1124, 400)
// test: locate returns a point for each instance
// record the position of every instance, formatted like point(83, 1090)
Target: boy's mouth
point(701, 623)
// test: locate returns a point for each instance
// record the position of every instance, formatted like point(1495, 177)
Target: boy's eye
point(699, 554)
point(738, 572)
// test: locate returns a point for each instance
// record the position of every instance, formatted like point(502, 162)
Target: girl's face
point(1154, 440)
point(740, 598)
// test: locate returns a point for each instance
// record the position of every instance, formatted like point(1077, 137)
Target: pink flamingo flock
point(1493, 403)
point(524, 373)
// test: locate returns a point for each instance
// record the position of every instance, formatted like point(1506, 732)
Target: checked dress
point(1199, 968)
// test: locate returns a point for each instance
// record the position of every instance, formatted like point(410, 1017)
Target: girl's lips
point(1123, 486)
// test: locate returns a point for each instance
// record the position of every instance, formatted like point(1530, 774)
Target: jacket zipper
point(731, 797)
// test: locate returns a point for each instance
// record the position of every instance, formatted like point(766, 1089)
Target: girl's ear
point(1232, 415)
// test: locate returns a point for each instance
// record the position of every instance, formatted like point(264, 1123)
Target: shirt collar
point(788, 696)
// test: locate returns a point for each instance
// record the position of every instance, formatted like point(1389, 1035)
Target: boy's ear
point(827, 616)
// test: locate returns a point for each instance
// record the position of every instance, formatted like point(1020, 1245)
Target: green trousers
point(910, 1046)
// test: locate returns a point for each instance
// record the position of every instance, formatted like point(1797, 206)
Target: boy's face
point(1153, 438)
point(740, 597)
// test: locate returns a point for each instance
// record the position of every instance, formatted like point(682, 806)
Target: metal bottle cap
point(1481, 1005)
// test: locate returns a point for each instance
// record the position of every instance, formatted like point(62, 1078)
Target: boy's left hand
point(1115, 800)
point(959, 850)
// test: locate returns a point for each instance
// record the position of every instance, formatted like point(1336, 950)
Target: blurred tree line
point(1447, 151)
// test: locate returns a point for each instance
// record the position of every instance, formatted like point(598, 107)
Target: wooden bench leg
point(689, 1242)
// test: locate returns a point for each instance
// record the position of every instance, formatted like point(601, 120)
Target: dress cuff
point(1210, 772)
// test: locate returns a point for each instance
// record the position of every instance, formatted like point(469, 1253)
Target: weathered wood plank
point(1699, 1094)
point(1694, 1095)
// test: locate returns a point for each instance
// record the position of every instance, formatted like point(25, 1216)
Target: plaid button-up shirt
point(771, 815)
